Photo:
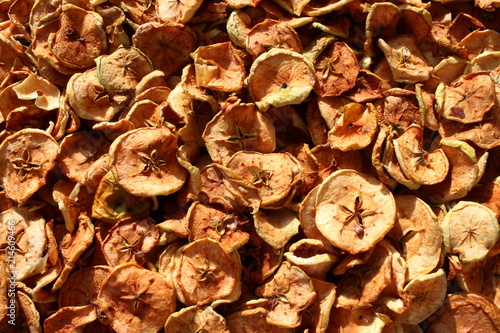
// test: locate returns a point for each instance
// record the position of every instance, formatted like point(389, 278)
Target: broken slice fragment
point(277, 226)
point(253, 320)
point(136, 300)
point(470, 230)
point(280, 77)
point(354, 211)
point(469, 98)
point(70, 319)
point(145, 164)
point(26, 157)
point(417, 164)
point(123, 69)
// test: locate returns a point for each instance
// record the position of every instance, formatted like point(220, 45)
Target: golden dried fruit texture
point(469, 98)
point(83, 286)
point(136, 300)
point(167, 45)
point(176, 11)
point(418, 234)
point(424, 295)
point(80, 38)
point(400, 107)
point(480, 41)
point(274, 175)
point(26, 157)
point(45, 93)
point(280, 77)
point(29, 241)
point(78, 151)
point(470, 230)
point(253, 320)
point(321, 7)
point(89, 99)
point(407, 63)
point(312, 257)
point(196, 319)
point(381, 22)
point(70, 319)
point(354, 211)
point(288, 293)
point(113, 203)
point(205, 274)
point(144, 162)
point(238, 126)
point(362, 285)
point(219, 67)
point(123, 69)
point(417, 164)
point(206, 221)
point(272, 34)
point(336, 70)
point(358, 320)
point(466, 169)
point(354, 128)
point(465, 312)
point(130, 240)
point(485, 134)
point(276, 226)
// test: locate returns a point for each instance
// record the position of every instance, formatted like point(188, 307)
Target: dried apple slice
point(480, 41)
point(418, 234)
point(400, 107)
point(145, 164)
point(336, 70)
point(354, 211)
point(253, 320)
point(362, 285)
point(465, 172)
point(194, 318)
point(292, 78)
point(70, 319)
point(83, 286)
point(123, 69)
point(322, 7)
point(377, 156)
point(78, 151)
point(274, 175)
point(89, 99)
point(354, 128)
point(317, 317)
point(381, 22)
point(176, 11)
point(205, 274)
point(167, 45)
point(238, 126)
point(135, 299)
point(407, 63)
point(470, 230)
point(272, 34)
point(219, 67)
point(312, 257)
point(465, 312)
point(417, 164)
point(469, 98)
point(45, 94)
point(211, 222)
point(423, 295)
point(26, 157)
point(288, 293)
point(80, 38)
point(359, 320)
point(113, 203)
point(276, 227)
point(72, 245)
point(130, 240)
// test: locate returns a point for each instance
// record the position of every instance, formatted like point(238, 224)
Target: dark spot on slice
point(457, 112)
